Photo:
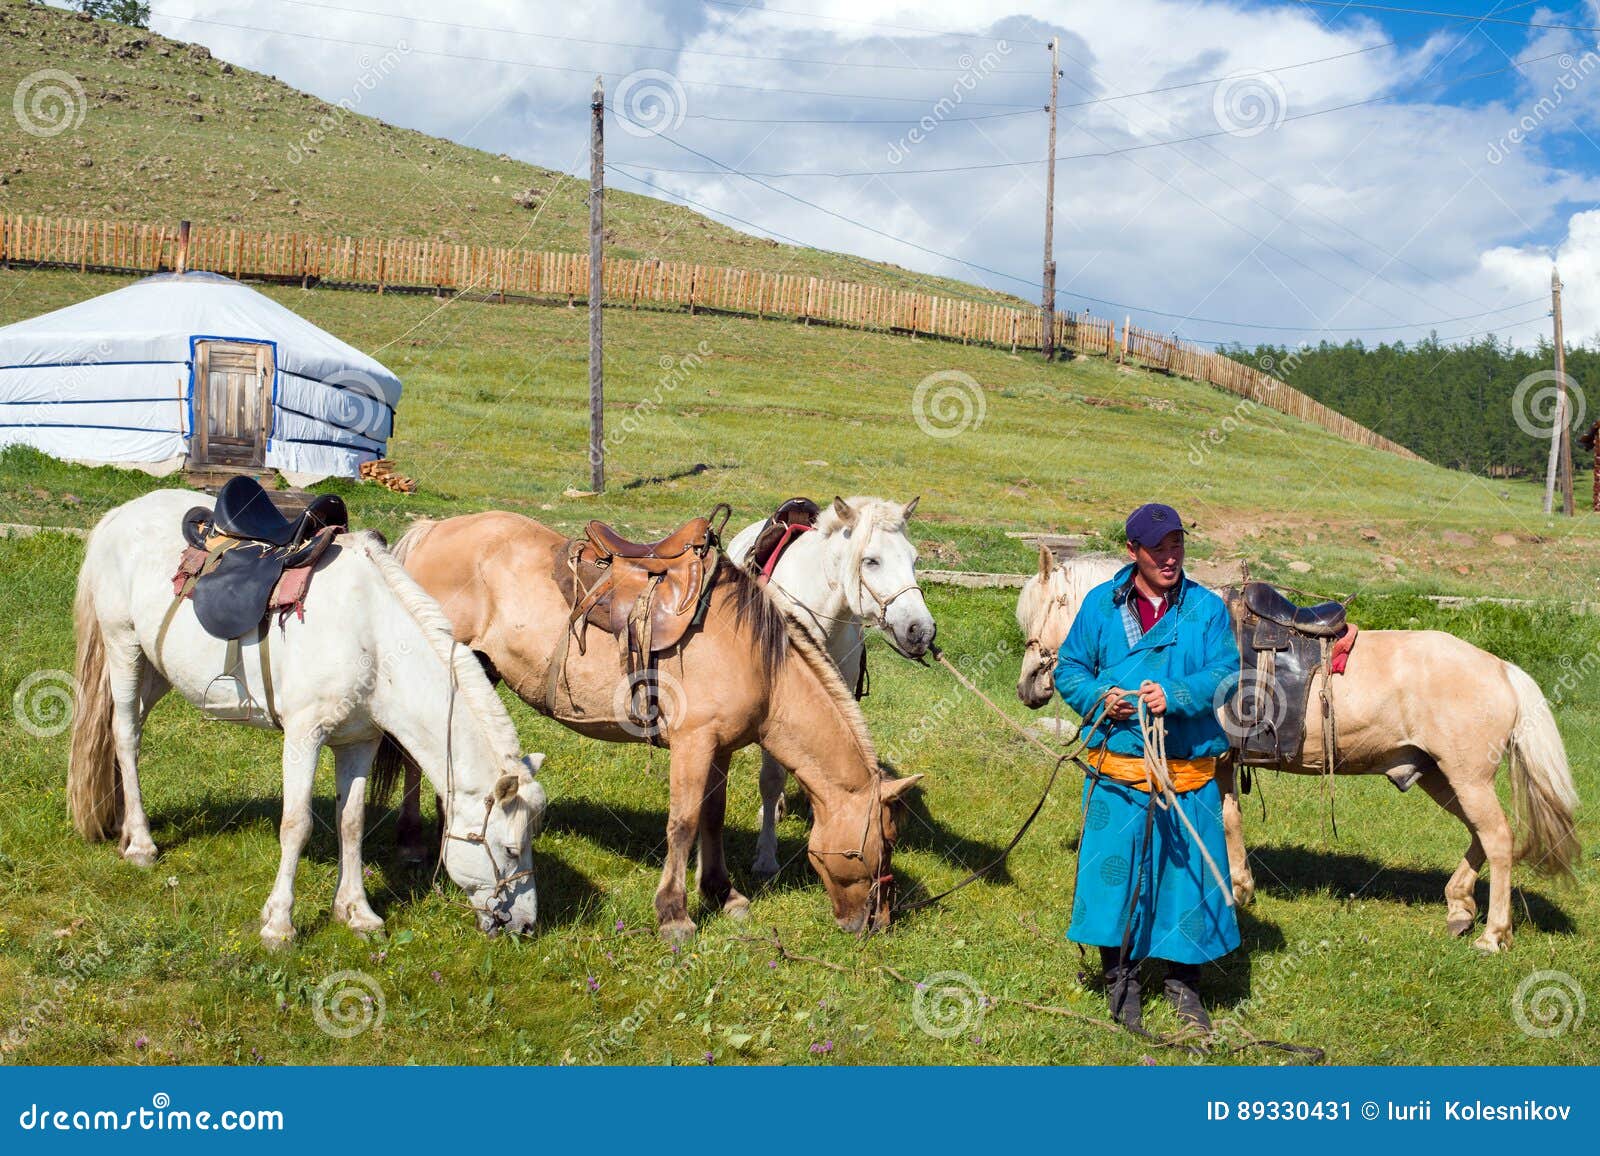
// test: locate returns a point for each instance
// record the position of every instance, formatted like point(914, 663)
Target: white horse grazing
point(856, 569)
point(1419, 701)
point(374, 656)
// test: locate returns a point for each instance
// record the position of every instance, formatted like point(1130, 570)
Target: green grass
point(1345, 948)
point(170, 136)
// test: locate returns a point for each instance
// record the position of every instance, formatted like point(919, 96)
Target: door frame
point(200, 347)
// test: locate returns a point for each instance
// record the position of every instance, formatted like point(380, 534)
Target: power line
point(745, 6)
point(647, 47)
point(1342, 4)
point(1024, 281)
point(844, 120)
point(839, 175)
point(930, 100)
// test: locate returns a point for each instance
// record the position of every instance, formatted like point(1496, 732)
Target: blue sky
point(911, 132)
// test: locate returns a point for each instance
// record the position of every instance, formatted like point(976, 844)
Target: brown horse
point(1409, 701)
point(744, 676)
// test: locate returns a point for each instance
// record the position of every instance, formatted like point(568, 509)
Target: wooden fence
point(432, 266)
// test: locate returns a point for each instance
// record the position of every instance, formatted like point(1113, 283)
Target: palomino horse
point(745, 676)
point(373, 657)
point(857, 569)
point(1409, 700)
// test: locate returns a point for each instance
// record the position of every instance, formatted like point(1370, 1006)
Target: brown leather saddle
point(1282, 647)
point(648, 595)
point(793, 518)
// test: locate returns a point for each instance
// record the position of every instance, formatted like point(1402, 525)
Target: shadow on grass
point(1293, 872)
point(565, 894)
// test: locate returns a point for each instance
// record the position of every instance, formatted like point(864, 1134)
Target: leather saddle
point(248, 546)
point(793, 518)
point(1282, 647)
point(648, 595)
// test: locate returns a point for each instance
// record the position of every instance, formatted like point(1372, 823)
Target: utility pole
point(1560, 436)
point(597, 228)
point(1049, 302)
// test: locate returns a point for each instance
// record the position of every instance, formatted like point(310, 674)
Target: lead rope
point(1153, 731)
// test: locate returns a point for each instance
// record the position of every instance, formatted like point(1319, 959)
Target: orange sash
point(1187, 774)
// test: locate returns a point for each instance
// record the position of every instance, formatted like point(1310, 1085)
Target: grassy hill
point(168, 132)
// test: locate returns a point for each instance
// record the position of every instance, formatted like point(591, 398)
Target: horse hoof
point(738, 909)
point(678, 931)
point(1492, 943)
point(1243, 893)
point(764, 870)
point(276, 939)
point(140, 856)
point(1459, 925)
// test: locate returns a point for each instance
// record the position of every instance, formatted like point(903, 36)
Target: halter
point(480, 837)
point(1047, 657)
point(881, 890)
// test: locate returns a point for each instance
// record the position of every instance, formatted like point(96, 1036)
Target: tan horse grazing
point(1410, 701)
point(745, 676)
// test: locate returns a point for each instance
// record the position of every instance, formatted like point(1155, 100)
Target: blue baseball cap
point(1152, 522)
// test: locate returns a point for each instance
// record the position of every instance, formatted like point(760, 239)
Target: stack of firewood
point(383, 472)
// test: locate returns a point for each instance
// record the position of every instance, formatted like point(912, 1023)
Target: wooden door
point(232, 403)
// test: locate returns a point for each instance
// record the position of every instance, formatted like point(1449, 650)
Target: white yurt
point(193, 370)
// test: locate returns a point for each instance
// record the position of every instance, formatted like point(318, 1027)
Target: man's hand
point(1153, 697)
point(1117, 705)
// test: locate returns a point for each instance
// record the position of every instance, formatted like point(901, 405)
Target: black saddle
point(1282, 646)
point(244, 510)
point(1323, 620)
point(775, 534)
point(234, 589)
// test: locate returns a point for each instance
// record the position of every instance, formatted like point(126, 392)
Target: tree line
point(1456, 405)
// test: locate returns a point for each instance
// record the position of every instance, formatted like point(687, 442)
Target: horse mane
point(473, 686)
point(779, 636)
point(1068, 584)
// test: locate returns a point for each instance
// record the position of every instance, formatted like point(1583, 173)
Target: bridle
point(480, 837)
point(1047, 657)
point(880, 894)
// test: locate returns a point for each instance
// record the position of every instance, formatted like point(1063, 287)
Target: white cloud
point(1376, 215)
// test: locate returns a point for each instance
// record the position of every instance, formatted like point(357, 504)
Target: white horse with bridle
point(855, 570)
point(1416, 705)
point(373, 657)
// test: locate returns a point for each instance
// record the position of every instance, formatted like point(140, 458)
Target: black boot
point(1182, 992)
point(1122, 988)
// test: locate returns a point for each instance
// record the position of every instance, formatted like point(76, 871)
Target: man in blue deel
point(1151, 635)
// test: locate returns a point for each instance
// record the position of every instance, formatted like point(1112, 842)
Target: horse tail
point(1543, 793)
point(387, 766)
point(93, 794)
point(418, 530)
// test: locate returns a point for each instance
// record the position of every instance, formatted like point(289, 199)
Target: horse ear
point(842, 509)
point(506, 789)
point(1047, 561)
point(911, 507)
point(893, 788)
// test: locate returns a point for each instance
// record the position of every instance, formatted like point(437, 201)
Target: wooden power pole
point(1561, 435)
point(597, 228)
point(1049, 302)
